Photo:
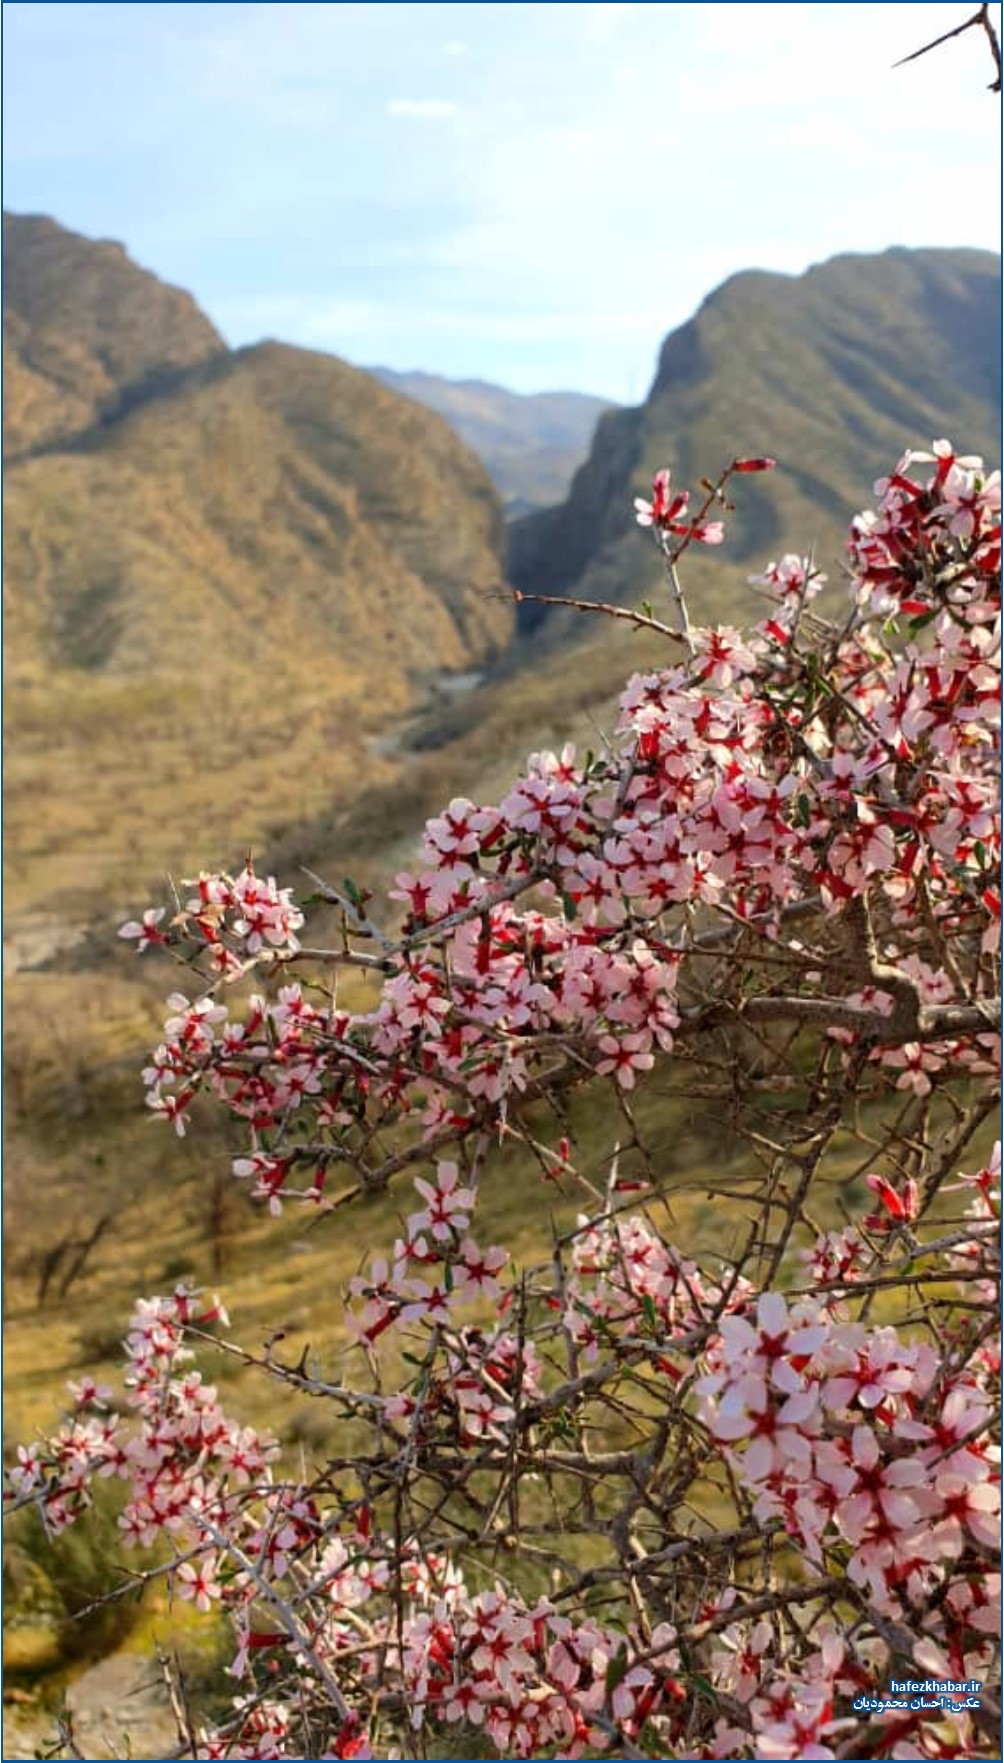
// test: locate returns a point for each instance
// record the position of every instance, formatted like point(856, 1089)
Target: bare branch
point(980, 21)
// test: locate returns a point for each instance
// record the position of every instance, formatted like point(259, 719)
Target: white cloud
point(454, 48)
point(425, 109)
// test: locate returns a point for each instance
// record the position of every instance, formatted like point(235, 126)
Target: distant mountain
point(86, 332)
point(833, 372)
point(224, 573)
point(531, 443)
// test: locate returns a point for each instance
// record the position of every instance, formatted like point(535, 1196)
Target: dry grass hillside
point(237, 580)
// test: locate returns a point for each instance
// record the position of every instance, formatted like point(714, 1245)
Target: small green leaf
point(923, 618)
point(349, 888)
point(617, 1669)
point(705, 1686)
point(571, 910)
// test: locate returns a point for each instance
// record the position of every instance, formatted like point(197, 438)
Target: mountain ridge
point(86, 331)
point(833, 372)
point(531, 442)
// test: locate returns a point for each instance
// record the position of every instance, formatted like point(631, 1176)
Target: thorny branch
point(724, 1457)
point(979, 21)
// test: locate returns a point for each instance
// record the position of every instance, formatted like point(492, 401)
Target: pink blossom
point(625, 1056)
point(448, 1206)
point(145, 930)
point(196, 1580)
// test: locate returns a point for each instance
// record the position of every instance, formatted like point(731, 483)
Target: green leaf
point(349, 888)
point(922, 618)
point(706, 1687)
point(571, 910)
point(562, 1425)
point(617, 1669)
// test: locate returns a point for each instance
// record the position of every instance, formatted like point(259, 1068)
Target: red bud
point(899, 1206)
point(763, 464)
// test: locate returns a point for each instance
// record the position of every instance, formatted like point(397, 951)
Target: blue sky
point(528, 193)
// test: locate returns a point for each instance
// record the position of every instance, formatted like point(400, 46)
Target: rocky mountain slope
point(834, 373)
point(531, 443)
point(225, 574)
point(86, 333)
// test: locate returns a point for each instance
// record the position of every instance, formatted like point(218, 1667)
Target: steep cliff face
point(225, 572)
point(552, 551)
point(834, 373)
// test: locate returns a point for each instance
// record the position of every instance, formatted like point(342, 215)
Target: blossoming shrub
point(641, 1500)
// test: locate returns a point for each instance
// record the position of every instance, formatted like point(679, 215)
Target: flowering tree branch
point(660, 1494)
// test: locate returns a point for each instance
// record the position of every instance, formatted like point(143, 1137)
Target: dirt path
point(35, 941)
point(118, 1708)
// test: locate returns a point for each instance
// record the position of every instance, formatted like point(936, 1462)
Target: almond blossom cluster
point(648, 1498)
point(185, 1461)
point(256, 914)
point(900, 1487)
point(864, 1447)
point(844, 780)
point(437, 1271)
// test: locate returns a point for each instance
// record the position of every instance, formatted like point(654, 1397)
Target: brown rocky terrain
point(223, 570)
